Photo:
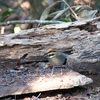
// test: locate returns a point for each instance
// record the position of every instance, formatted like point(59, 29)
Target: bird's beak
point(45, 54)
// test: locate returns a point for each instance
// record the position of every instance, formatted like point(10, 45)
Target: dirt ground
point(89, 92)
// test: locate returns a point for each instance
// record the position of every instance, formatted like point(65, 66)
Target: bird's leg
point(67, 67)
point(61, 71)
point(52, 70)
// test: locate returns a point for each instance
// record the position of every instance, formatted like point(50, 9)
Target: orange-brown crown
point(51, 49)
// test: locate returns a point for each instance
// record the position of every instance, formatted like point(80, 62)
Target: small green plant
point(68, 13)
point(4, 14)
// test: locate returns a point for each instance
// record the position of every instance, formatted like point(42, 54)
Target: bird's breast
point(57, 59)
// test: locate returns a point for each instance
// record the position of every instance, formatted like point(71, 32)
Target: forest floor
point(88, 92)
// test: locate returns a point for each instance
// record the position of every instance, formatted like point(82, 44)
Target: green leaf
point(63, 5)
point(66, 20)
point(5, 14)
point(47, 11)
point(60, 13)
point(17, 28)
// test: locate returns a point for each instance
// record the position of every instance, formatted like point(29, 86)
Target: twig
point(30, 21)
point(71, 10)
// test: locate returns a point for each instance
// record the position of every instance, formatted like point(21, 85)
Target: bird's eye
point(51, 55)
point(51, 51)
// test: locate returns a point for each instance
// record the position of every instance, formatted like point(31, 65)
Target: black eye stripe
point(51, 51)
point(50, 54)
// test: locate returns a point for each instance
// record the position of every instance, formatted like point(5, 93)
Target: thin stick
point(30, 21)
point(71, 10)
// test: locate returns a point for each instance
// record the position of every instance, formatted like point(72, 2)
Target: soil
point(9, 70)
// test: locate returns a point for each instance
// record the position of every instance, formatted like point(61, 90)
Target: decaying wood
point(32, 83)
point(74, 37)
point(79, 40)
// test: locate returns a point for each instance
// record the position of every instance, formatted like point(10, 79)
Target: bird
point(55, 58)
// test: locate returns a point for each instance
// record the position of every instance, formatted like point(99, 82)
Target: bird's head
point(50, 52)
